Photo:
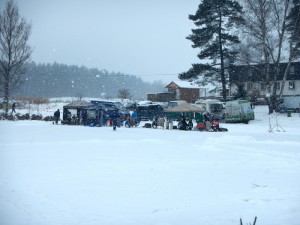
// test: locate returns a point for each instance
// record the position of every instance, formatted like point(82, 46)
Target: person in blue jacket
point(114, 119)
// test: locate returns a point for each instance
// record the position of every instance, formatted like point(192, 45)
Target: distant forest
point(59, 80)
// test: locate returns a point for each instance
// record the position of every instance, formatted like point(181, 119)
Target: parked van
point(213, 106)
point(238, 111)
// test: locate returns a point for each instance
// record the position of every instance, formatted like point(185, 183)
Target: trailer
point(88, 113)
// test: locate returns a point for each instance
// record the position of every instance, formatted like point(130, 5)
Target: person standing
point(114, 119)
point(56, 116)
point(184, 123)
point(207, 122)
point(13, 108)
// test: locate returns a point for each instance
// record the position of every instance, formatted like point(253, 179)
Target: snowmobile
point(215, 126)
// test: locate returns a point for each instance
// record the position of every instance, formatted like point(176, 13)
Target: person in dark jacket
point(13, 108)
point(56, 116)
point(190, 124)
point(114, 119)
point(184, 123)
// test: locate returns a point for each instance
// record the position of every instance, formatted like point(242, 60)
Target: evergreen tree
point(215, 21)
point(59, 80)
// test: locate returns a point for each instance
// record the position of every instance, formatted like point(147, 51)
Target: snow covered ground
point(75, 175)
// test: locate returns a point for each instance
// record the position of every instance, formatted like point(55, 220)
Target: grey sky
point(135, 37)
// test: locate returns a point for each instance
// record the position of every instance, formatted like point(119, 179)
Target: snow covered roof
point(78, 104)
point(184, 108)
point(183, 84)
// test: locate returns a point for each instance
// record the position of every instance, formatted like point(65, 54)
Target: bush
point(37, 100)
point(4, 116)
point(49, 118)
point(23, 117)
point(18, 116)
point(36, 117)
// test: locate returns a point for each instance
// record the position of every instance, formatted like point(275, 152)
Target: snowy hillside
point(75, 175)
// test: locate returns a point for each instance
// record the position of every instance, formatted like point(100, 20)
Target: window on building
point(263, 87)
point(250, 72)
point(292, 70)
point(249, 86)
point(291, 85)
point(254, 86)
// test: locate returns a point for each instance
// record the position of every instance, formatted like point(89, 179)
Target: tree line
point(59, 80)
point(18, 77)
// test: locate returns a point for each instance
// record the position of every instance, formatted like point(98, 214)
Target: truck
point(239, 111)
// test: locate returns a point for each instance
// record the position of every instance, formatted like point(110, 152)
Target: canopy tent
point(77, 105)
point(193, 111)
point(184, 108)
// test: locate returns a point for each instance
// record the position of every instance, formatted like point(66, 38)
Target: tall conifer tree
point(215, 21)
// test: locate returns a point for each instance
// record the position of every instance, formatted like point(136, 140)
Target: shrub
point(49, 118)
point(37, 100)
point(36, 117)
point(24, 117)
point(4, 116)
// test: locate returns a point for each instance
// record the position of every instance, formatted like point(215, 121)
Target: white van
point(238, 111)
point(214, 107)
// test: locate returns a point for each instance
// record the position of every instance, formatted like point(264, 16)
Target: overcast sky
point(136, 37)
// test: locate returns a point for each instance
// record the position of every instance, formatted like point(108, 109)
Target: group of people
point(205, 119)
point(208, 117)
point(186, 125)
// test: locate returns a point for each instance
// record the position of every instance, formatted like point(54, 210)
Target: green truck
point(238, 111)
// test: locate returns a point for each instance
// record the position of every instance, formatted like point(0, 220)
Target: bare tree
point(280, 9)
point(293, 29)
point(266, 27)
point(124, 94)
point(258, 28)
point(14, 49)
point(79, 96)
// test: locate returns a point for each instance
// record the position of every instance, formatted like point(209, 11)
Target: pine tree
point(215, 21)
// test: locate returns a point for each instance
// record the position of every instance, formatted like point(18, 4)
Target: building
point(179, 90)
point(253, 77)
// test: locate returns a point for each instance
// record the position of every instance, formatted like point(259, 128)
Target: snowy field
point(75, 175)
